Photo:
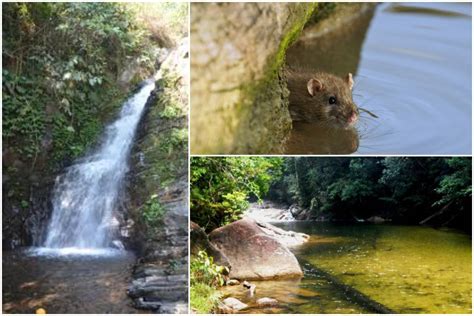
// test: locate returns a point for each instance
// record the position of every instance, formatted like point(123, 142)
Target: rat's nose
point(352, 118)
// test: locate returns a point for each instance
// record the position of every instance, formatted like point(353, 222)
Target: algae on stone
point(239, 98)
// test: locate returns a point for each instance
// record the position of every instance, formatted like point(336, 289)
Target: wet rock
point(250, 287)
point(232, 282)
point(118, 244)
point(200, 241)
point(252, 253)
point(234, 304)
point(376, 219)
point(160, 276)
point(268, 212)
point(295, 210)
point(288, 238)
point(266, 301)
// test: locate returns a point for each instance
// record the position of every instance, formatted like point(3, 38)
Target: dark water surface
point(407, 269)
point(413, 70)
point(66, 284)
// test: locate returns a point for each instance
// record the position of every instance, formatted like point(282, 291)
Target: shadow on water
point(413, 70)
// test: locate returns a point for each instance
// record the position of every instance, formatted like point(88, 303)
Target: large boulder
point(252, 253)
point(200, 241)
point(240, 100)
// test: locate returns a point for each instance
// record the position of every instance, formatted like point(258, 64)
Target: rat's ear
point(314, 85)
point(349, 80)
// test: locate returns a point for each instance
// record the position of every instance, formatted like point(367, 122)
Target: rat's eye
point(332, 100)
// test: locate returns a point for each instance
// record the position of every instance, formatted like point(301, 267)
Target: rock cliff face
point(237, 52)
point(158, 192)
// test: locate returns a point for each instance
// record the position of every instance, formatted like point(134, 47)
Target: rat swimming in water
point(322, 98)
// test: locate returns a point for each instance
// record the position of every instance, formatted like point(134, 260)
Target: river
point(408, 269)
point(66, 284)
point(412, 66)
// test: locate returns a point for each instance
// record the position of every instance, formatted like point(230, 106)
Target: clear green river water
point(408, 269)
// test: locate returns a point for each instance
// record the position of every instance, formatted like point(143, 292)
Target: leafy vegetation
point(410, 190)
point(206, 276)
point(221, 186)
point(61, 61)
point(204, 298)
point(153, 211)
point(405, 189)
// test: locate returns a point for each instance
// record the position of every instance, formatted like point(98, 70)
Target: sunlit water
point(413, 70)
point(85, 196)
point(407, 269)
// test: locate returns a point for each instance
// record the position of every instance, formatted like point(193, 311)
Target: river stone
point(234, 304)
point(200, 241)
point(232, 282)
point(252, 253)
point(266, 301)
point(376, 219)
point(288, 238)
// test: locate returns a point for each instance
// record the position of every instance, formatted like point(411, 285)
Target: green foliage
point(456, 187)
point(153, 211)
point(220, 186)
point(206, 276)
point(23, 116)
point(405, 189)
point(175, 140)
point(204, 270)
point(204, 298)
point(61, 61)
point(171, 111)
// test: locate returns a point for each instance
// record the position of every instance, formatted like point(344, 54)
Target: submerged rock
point(253, 254)
point(266, 301)
point(250, 287)
point(231, 304)
point(232, 282)
point(376, 220)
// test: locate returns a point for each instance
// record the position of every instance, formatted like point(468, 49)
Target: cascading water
point(85, 196)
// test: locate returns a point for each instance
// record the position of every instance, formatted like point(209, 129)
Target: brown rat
point(322, 98)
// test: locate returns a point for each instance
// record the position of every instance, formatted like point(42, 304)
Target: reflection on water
point(67, 284)
point(413, 69)
point(321, 139)
point(311, 295)
point(408, 269)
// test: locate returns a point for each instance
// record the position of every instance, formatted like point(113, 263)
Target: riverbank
point(345, 266)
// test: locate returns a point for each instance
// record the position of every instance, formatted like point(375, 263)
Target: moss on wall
point(238, 93)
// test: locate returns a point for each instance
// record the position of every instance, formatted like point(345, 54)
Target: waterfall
point(85, 195)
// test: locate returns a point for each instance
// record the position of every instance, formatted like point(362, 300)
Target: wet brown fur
point(316, 108)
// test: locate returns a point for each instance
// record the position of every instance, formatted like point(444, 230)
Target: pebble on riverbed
point(230, 305)
point(232, 282)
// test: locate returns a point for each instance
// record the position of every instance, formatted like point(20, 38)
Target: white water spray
point(86, 195)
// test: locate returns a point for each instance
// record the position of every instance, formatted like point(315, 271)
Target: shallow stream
point(66, 284)
point(407, 269)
